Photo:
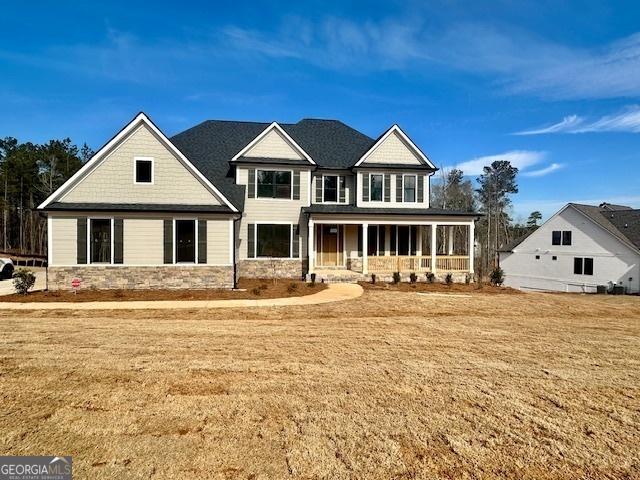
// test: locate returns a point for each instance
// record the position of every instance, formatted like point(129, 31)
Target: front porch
point(419, 246)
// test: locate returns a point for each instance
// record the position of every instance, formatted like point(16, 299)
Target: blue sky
point(552, 86)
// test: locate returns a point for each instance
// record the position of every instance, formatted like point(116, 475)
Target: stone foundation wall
point(123, 277)
point(264, 268)
point(458, 277)
point(354, 264)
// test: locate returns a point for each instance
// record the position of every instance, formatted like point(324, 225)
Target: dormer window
point(143, 170)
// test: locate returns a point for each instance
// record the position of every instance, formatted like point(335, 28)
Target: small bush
point(431, 277)
point(292, 287)
point(256, 291)
point(496, 276)
point(23, 280)
point(467, 278)
point(373, 278)
point(448, 278)
point(311, 285)
point(413, 278)
point(313, 278)
point(396, 277)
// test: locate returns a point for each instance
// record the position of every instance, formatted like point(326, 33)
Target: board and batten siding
point(265, 210)
point(112, 181)
point(274, 145)
point(394, 150)
point(393, 203)
point(63, 241)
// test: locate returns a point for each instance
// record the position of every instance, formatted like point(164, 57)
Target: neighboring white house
point(577, 249)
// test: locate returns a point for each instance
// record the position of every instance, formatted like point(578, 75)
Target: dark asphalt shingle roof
point(212, 144)
point(138, 207)
point(352, 209)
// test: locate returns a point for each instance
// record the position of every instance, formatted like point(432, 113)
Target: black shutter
point(202, 240)
point(296, 185)
point(399, 188)
point(420, 180)
point(365, 187)
point(319, 188)
point(118, 234)
point(387, 187)
point(81, 241)
point(295, 244)
point(251, 184)
point(168, 241)
point(251, 247)
point(342, 198)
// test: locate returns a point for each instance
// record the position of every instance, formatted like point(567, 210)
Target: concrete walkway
point(335, 292)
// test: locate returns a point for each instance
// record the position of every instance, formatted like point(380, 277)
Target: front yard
point(391, 385)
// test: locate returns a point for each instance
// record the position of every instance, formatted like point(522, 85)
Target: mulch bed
point(438, 287)
point(253, 289)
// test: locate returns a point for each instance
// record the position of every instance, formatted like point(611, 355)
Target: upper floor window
point(561, 237)
point(377, 187)
point(330, 188)
point(143, 170)
point(409, 188)
point(273, 184)
point(583, 266)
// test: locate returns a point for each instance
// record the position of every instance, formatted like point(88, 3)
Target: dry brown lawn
point(391, 385)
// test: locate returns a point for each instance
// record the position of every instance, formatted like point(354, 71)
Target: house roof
point(137, 207)
point(352, 209)
point(211, 144)
point(620, 221)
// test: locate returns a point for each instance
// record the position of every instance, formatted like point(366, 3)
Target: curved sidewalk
point(335, 292)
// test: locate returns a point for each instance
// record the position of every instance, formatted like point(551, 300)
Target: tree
point(534, 218)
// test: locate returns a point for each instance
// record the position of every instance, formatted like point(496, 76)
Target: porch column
point(472, 227)
point(451, 231)
point(419, 241)
point(311, 239)
point(433, 247)
point(365, 248)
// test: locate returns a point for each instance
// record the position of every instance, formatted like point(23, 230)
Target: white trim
point(415, 188)
point(388, 222)
point(274, 222)
point(397, 129)
point(111, 222)
point(338, 177)
point(135, 170)
point(231, 241)
point(175, 245)
point(277, 127)
point(49, 239)
point(275, 169)
point(140, 118)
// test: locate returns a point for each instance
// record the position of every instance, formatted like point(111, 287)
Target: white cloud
point(626, 121)
point(522, 159)
point(543, 171)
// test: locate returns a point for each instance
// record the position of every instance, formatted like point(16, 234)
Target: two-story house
point(577, 249)
point(228, 199)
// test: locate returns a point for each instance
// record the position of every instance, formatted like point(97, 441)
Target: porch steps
point(338, 276)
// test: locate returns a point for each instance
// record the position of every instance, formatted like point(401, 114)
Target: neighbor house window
point(274, 184)
point(143, 170)
point(330, 188)
point(583, 266)
point(377, 183)
point(566, 237)
point(561, 237)
point(100, 240)
point(185, 243)
point(409, 188)
point(273, 240)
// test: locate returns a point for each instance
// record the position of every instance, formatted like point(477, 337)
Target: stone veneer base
point(156, 277)
point(268, 268)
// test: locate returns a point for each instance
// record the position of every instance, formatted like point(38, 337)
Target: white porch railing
point(413, 263)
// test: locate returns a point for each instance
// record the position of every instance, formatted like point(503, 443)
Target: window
point(100, 240)
point(377, 182)
point(555, 237)
point(537, 257)
point(409, 188)
point(583, 266)
point(561, 237)
point(330, 186)
point(274, 184)
point(554, 258)
point(185, 243)
point(144, 170)
point(273, 240)
point(566, 237)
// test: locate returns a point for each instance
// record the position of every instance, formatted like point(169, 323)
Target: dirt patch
point(249, 288)
point(438, 287)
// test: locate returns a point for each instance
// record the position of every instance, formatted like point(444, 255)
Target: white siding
point(143, 241)
point(274, 145)
point(112, 181)
point(394, 150)
point(612, 259)
point(64, 241)
point(218, 248)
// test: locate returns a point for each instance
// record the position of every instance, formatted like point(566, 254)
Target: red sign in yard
point(75, 283)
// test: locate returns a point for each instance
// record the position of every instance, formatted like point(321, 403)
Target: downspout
point(235, 260)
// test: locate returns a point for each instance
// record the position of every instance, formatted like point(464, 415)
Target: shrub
point(467, 278)
point(448, 278)
point(396, 277)
point(256, 291)
point(373, 278)
point(311, 285)
point(292, 287)
point(313, 278)
point(496, 276)
point(413, 278)
point(23, 280)
point(431, 277)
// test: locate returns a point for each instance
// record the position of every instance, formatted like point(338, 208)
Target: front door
point(330, 245)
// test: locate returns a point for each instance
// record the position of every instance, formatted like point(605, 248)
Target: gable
point(274, 145)
point(394, 150)
point(112, 179)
